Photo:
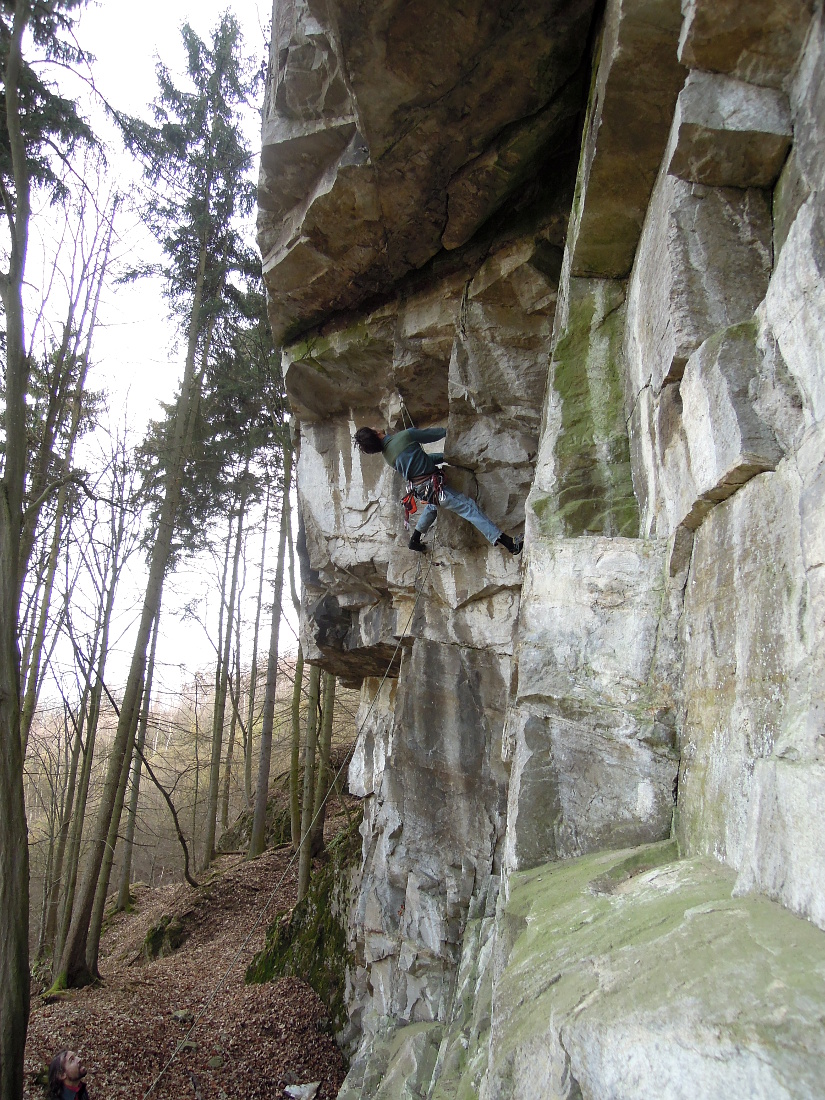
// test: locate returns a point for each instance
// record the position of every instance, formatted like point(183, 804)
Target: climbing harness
point(428, 489)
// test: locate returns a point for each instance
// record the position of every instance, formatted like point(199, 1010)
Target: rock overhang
point(439, 116)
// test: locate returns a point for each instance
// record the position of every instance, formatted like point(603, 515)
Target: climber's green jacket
point(403, 451)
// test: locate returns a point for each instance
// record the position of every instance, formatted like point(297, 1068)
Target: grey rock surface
point(629, 358)
point(712, 432)
point(703, 264)
point(727, 133)
point(430, 847)
point(746, 668)
point(591, 729)
point(633, 975)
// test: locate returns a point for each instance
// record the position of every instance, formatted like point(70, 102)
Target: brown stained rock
point(757, 41)
point(374, 110)
point(482, 185)
point(631, 104)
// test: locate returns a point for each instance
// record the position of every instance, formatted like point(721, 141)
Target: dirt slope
point(252, 1041)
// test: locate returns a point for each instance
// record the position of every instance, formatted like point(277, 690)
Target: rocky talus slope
point(589, 240)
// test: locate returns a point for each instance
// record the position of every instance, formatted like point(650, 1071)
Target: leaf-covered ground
point(252, 1041)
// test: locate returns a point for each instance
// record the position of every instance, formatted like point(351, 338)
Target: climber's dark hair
point(368, 440)
point(57, 1068)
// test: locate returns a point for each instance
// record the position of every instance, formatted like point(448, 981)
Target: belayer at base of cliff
point(425, 483)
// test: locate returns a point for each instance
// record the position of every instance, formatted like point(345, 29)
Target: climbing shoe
point(513, 545)
point(417, 544)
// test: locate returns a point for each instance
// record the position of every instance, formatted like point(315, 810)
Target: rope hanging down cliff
point(419, 589)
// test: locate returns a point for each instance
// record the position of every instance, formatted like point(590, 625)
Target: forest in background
point(107, 777)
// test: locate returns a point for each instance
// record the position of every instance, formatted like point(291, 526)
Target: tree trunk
point(305, 857)
point(99, 904)
point(52, 910)
point(47, 880)
point(209, 843)
point(73, 969)
point(219, 713)
point(227, 768)
point(233, 727)
point(123, 895)
point(14, 853)
point(257, 841)
point(95, 671)
point(322, 782)
point(295, 755)
point(253, 675)
point(197, 774)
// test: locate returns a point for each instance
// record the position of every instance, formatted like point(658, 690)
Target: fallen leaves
point(253, 1041)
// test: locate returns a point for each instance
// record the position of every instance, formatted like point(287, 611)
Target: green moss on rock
point(164, 938)
point(277, 826)
point(634, 962)
point(594, 487)
point(310, 942)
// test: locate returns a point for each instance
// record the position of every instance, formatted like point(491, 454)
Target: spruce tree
point(196, 166)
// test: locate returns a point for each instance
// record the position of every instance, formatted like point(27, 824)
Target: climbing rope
point(405, 414)
point(419, 589)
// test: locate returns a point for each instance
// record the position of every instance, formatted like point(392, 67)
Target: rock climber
point(66, 1075)
point(403, 451)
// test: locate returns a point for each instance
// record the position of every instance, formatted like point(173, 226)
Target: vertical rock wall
point(588, 240)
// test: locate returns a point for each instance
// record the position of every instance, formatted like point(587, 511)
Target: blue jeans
point(464, 507)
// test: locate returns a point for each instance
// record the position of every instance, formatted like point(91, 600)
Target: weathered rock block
point(710, 432)
point(807, 95)
point(432, 828)
point(629, 974)
point(746, 672)
point(784, 850)
point(703, 264)
point(728, 134)
point(629, 115)
point(727, 439)
point(795, 305)
point(758, 41)
point(591, 734)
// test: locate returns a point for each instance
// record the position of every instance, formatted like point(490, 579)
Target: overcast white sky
point(137, 353)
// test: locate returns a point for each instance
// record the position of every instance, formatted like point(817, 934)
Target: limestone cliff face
point(589, 240)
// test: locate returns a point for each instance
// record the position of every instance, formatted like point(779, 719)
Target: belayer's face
point(73, 1071)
